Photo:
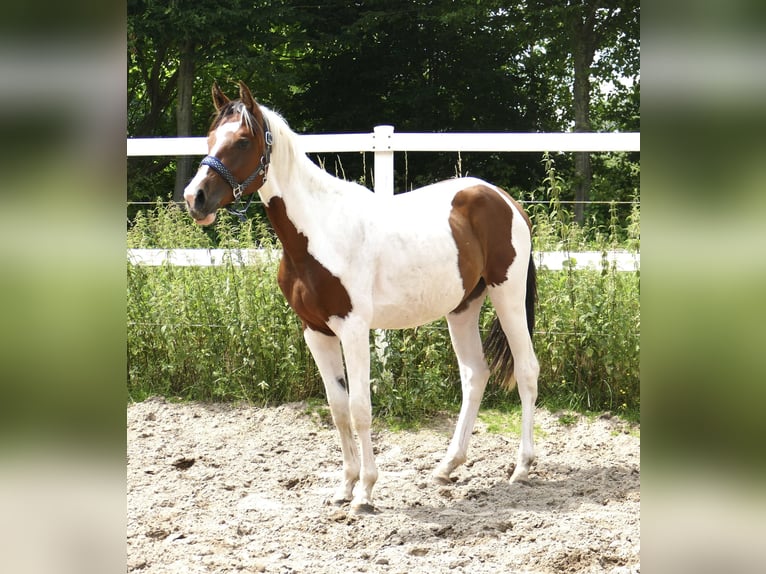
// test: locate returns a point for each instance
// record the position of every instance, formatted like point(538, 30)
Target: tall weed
point(227, 333)
point(588, 321)
point(213, 333)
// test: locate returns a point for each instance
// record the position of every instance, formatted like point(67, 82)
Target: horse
point(354, 261)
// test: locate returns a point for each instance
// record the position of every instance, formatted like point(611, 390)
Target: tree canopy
point(427, 65)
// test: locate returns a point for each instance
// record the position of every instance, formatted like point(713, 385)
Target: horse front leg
point(356, 349)
point(329, 360)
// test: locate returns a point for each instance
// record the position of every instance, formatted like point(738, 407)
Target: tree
point(334, 66)
point(440, 65)
point(574, 33)
point(184, 116)
point(171, 45)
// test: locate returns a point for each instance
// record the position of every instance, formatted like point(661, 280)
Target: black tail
point(496, 347)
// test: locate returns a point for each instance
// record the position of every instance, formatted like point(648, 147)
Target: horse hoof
point(340, 501)
point(442, 479)
point(336, 501)
point(521, 478)
point(364, 508)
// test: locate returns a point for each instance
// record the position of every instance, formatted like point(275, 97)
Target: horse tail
point(496, 347)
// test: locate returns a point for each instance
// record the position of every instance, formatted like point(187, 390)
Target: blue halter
point(217, 165)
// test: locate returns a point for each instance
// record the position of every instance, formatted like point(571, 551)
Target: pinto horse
point(354, 261)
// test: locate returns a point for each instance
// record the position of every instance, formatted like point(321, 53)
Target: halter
point(217, 165)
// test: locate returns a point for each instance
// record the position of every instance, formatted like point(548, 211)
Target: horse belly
point(415, 294)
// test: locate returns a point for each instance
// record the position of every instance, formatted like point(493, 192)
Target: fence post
point(384, 160)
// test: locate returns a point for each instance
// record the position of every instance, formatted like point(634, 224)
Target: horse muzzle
point(202, 201)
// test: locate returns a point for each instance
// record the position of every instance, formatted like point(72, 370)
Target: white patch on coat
point(396, 256)
point(222, 135)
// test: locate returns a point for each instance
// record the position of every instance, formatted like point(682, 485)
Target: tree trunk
point(583, 52)
point(583, 173)
point(184, 164)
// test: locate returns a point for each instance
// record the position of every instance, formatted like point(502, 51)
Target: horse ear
point(247, 97)
point(219, 98)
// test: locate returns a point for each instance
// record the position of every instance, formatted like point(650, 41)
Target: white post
point(384, 160)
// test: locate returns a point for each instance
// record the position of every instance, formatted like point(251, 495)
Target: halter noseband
point(217, 165)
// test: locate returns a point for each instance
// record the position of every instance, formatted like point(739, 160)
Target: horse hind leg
point(508, 300)
point(328, 357)
point(466, 340)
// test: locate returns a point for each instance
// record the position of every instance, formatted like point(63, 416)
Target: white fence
point(552, 260)
point(383, 142)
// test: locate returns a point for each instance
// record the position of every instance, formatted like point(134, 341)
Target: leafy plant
point(227, 333)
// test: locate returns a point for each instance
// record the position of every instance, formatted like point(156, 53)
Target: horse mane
point(231, 108)
point(279, 128)
point(288, 147)
point(276, 123)
point(281, 131)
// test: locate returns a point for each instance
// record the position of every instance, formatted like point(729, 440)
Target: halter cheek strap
point(238, 187)
point(224, 172)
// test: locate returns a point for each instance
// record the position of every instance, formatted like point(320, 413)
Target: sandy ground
point(229, 488)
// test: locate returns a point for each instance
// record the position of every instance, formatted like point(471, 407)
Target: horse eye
point(243, 143)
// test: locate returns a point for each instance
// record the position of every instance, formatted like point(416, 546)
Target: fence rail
point(551, 260)
point(384, 138)
point(384, 141)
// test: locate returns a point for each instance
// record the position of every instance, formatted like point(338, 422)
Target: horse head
point(239, 149)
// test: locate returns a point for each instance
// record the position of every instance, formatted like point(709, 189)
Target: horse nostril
point(199, 199)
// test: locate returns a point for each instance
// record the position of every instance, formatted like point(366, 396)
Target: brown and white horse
point(355, 261)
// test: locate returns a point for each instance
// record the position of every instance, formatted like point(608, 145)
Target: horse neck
point(308, 195)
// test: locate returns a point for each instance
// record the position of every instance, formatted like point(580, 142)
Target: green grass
point(568, 419)
point(227, 334)
point(318, 409)
point(507, 422)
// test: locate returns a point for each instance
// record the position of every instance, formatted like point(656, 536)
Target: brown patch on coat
point(313, 292)
point(481, 222)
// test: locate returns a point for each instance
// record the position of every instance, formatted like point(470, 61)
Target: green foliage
point(588, 321)
point(333, 67)
point(414, 372)
point(227, 333)
point(166, 227)
point(588, 339)
point(211, 333)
